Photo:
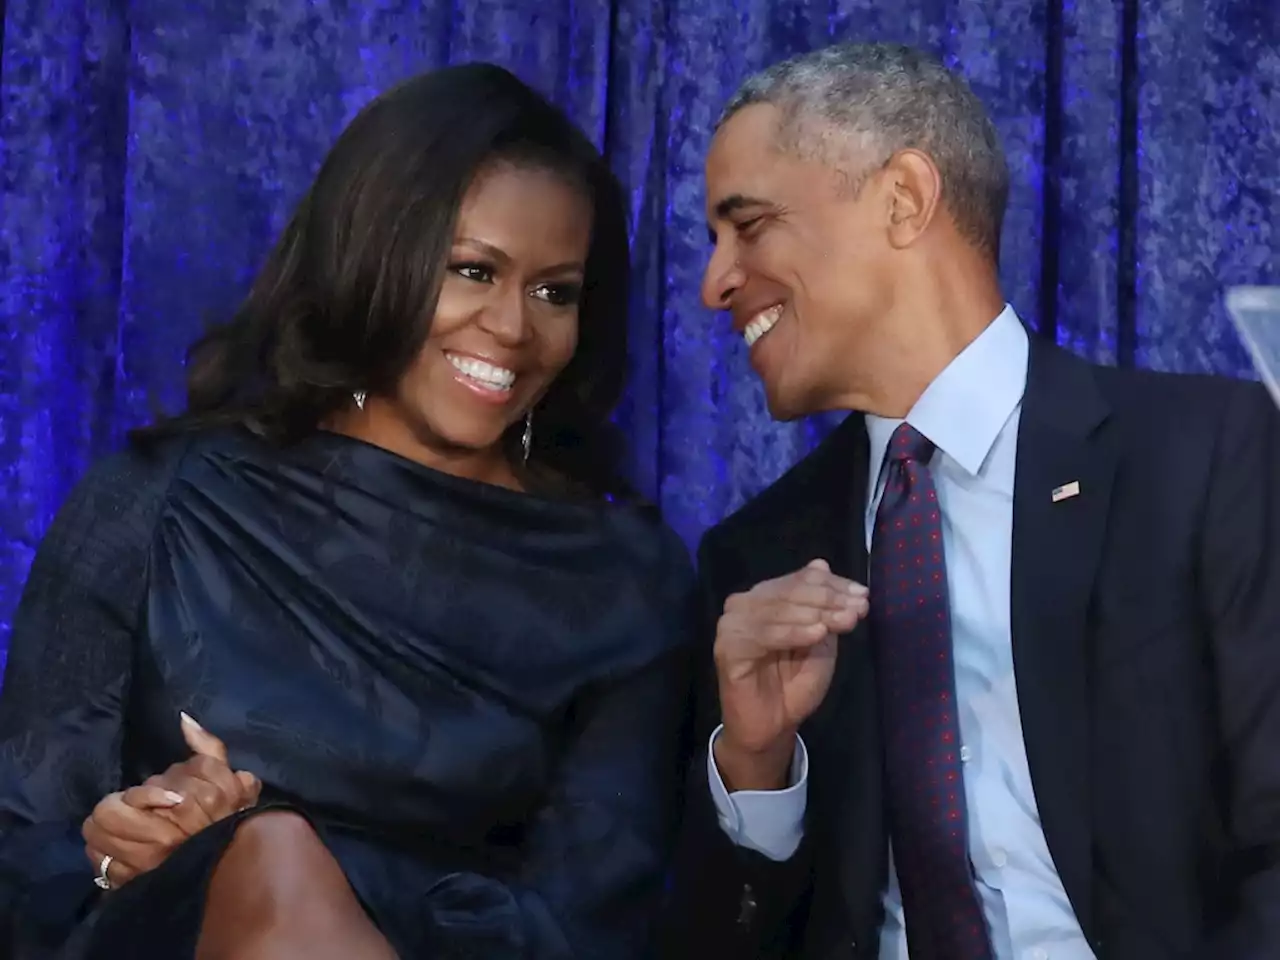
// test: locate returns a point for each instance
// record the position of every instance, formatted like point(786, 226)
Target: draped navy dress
point(476, 696)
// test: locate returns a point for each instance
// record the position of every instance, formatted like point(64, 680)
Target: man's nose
point(722, 277)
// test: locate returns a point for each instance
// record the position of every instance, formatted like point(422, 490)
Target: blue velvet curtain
point(152, 148)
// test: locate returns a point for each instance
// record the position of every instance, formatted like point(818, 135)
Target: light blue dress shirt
point(970, 413)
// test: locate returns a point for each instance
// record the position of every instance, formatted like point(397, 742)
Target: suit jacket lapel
point(1056, 551)
point(826, 516)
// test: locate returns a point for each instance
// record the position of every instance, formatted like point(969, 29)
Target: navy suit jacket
point(1146, 635)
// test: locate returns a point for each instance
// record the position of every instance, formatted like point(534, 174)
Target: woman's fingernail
point(174, 798)
point(191, 721)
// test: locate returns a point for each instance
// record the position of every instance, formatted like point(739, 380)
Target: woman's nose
point(507, 319)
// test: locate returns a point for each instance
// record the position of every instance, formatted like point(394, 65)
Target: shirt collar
point(963, 411)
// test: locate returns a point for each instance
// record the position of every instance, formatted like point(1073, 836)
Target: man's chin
point(783, 406)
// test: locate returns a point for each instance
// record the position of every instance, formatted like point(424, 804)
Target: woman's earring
point(526, 441)
point(358, 397)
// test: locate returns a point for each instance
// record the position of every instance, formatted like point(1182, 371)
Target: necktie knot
point(908, 443)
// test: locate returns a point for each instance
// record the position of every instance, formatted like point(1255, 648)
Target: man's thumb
point(201, 741)
point(819, 565)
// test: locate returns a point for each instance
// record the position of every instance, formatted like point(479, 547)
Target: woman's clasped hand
point(135, 830)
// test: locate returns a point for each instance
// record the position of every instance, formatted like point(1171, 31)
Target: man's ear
point(914, 190)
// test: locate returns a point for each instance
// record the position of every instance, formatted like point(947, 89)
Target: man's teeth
point(485, 374)
point(762, 324)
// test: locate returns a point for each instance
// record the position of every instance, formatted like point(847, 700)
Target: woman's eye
point(559, 294)
point(473, 271)
point(747, 228)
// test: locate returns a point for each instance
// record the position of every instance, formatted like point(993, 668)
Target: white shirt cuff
point(770, 822)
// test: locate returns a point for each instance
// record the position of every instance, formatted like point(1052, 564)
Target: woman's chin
point(468, 443)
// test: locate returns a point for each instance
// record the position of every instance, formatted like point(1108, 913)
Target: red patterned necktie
point(911, 627)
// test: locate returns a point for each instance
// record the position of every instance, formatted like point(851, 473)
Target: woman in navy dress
point(386, 558)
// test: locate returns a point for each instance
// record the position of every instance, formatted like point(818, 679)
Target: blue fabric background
point(152, 148)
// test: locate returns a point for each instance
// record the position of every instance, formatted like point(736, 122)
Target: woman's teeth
point(764, 322)
point(484, 374)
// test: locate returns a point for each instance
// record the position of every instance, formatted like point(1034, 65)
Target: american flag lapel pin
point(1066, 491)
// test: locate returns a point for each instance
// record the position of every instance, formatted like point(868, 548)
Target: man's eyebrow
point(736, 202)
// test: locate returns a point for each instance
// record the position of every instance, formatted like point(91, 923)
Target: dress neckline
point(391, 476)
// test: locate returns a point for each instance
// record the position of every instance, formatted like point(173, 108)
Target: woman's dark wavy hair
point(346, 297)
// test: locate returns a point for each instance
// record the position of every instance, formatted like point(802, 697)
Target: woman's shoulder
point(128, 488)
point(101, 535)
point(132, 475)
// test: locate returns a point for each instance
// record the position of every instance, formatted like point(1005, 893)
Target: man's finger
point(823, 596)
point(828, 579)
point(778, 637)
point(842, 621)
point(783, 615)
point(201, 741)
point(803, 604)
point(786, 613)
point(810, 577)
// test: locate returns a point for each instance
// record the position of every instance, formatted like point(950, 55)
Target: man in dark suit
point(1050, 728)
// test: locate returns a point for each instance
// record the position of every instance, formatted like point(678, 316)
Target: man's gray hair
point(884, 98)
